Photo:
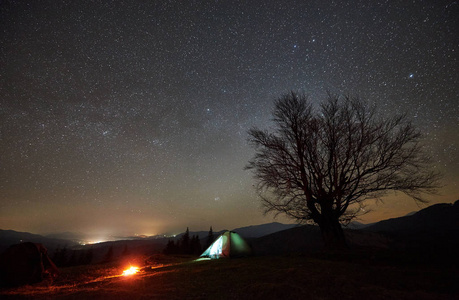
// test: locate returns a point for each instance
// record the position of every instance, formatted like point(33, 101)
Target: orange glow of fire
point(131, 271)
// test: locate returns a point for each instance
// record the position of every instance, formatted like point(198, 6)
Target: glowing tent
point(228, 244)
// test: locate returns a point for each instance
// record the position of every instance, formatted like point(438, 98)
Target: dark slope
point(431, 233)
point(308, 239)
point(302, 239)
point(436, 222)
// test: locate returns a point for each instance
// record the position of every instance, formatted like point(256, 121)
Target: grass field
point(264, 277)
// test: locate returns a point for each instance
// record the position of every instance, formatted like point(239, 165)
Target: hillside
point(262, 277)
point(301, 239)
point(431, 233)
point(436, 222)
point(11, 237)
point(438, 217)
point(308, 239)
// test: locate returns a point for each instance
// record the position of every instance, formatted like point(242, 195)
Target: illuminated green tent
point(228, 244)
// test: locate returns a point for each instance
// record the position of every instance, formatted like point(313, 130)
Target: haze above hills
point(439, 222)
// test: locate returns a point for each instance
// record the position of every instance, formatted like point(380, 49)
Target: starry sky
point(131, 117)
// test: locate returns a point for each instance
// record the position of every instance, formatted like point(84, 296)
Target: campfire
point(131, 271)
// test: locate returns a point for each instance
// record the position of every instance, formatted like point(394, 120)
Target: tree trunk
point(332, 233)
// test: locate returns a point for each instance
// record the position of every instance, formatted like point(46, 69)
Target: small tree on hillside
point(185, 241)
point(322, 166)
point(210, 238)
point(195, 245)
point(171, 248)
point(185, 245)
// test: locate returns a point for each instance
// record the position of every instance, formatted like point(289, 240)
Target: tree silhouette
point(185, 242)
point(322, 165)
point(185, 245)
point(171, 248)
point(195, 246)
point(210, 238)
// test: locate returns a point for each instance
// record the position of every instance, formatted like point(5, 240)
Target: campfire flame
point(131, 271)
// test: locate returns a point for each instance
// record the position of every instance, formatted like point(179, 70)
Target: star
point(101, 118)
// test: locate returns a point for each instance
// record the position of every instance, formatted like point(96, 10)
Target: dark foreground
point(275, 277)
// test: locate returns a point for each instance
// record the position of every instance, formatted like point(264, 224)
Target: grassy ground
point(276, 277)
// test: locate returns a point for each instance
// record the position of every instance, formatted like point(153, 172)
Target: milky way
point(123, 117)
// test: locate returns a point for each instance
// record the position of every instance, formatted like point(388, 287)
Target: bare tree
point(321, 166)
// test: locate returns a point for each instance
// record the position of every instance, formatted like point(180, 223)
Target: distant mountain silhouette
point(71, 236)
point(11, 237)
point(440, 220)
point(434, 229)
point(357, 225)
point(253, 231)
point(360, 225)
point(201, 234)
point(308, 239)
point(256, 231)
point(426, 233)
point(431, 234)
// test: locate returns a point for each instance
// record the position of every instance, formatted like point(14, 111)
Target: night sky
point(131, 117)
